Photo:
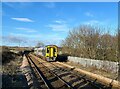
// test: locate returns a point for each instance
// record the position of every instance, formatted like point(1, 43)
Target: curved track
point(52, 76)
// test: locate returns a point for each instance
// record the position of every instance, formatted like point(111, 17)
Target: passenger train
point(50, 52)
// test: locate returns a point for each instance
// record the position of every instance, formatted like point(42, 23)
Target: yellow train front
point(51, 52)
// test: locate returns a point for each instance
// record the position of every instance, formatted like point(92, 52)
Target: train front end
point(51, 52)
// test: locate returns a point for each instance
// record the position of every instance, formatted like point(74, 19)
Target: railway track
point(50, 80)
point(52, 76)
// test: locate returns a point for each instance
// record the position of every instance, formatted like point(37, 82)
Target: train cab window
point(47, 50)
point(54, 49)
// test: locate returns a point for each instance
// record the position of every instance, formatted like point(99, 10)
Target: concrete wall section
point(100, 64)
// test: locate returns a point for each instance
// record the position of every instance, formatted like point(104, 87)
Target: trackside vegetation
point(91, 42)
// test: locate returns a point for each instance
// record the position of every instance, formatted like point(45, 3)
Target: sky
point(30, 22)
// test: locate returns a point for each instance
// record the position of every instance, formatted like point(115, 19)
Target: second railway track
point(52, 76)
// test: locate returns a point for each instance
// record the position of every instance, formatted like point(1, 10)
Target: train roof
point(51, 45)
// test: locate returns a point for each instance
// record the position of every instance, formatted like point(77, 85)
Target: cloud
point(59, 27)
point(89, 14)
point(45, 38)
point(40, 36)
point(23, 19)
point(12, 39)
point(50, 5)
point(92, 22)
point(29, 39)
point(27, 29)
point(32, 36)
point(60, 21)
point(17, 40)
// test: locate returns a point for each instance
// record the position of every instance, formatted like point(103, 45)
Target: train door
point(52, 52)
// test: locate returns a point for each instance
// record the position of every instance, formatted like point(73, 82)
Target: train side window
point(47, 50)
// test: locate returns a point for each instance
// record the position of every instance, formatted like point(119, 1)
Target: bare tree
point(89, 42)
point(40, 44)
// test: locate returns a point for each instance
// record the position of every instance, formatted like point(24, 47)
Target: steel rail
point(92, 82)
point(66, 83)
point(49, 86)
point(69, 85)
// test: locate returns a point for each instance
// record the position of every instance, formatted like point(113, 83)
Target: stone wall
point(100, 64)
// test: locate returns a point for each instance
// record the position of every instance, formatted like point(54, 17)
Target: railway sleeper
point(53, 87)
point(82, 82)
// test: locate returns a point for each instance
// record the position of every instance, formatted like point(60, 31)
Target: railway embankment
point(12, 77)
point(26, 69)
